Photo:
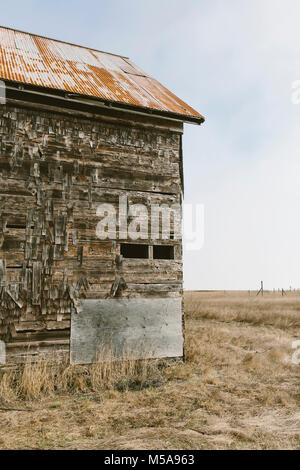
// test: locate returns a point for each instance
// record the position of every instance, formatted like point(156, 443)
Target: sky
point(235, 62)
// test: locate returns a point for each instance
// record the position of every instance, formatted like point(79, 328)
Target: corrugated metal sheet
point(37, 60)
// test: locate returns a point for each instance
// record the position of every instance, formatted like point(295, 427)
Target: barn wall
point(55, 169)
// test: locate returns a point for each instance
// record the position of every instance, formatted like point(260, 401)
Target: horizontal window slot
point(130, 250)
point(18, 227)
point(163, 252)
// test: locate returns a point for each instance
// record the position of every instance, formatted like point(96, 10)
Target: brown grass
point(48, 376)
point(237, 390)
point(270, 310)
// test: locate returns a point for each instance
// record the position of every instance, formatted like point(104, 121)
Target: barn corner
point(91, 185)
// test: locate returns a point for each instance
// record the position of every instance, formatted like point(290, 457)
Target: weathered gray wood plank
point(150, 328)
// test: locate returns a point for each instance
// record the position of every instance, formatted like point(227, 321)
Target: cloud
point(244, 163)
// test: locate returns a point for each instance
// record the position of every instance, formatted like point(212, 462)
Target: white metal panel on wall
point(142, 328)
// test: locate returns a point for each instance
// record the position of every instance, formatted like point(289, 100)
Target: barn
point(91, 187)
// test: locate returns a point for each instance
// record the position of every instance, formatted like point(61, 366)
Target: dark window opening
point(163, 252)
point(15, 226)
point(129, 250)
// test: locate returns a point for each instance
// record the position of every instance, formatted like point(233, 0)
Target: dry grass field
point(238, 388)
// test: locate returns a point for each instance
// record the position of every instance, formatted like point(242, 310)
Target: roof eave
point(100, 102)
point(138, 109)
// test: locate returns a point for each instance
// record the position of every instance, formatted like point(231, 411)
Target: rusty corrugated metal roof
point(36, 60)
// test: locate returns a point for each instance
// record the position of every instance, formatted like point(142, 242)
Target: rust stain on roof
point(36, 60)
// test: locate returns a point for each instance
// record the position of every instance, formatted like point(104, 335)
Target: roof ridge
point(64, 42)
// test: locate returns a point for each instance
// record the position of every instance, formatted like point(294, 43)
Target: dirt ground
point(238, 389)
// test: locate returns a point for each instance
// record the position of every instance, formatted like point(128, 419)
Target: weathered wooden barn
point(79, 129)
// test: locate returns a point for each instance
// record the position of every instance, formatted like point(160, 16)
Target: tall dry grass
point(238, 388)
point(270, 310)
point(48, 376)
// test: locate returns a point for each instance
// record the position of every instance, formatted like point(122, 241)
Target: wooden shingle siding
point(56, 167)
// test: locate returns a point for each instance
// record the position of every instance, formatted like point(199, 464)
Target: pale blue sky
point(234, 61)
